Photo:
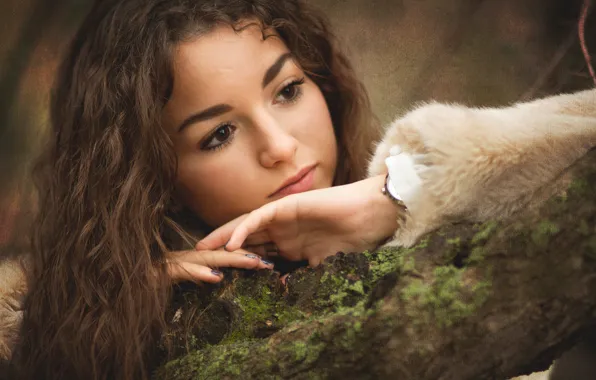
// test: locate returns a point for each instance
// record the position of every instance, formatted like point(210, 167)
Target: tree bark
point(484, 301)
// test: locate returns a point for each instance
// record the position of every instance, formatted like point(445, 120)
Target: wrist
point(385, 211)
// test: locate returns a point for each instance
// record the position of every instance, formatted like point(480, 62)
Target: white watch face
point(404, 182)
point(392, 190)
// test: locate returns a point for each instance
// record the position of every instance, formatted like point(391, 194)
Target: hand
point(201, 265)
point(314, 224)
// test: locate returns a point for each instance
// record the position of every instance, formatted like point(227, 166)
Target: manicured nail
point(216, 272)
point(251, 256)
point(266, 262)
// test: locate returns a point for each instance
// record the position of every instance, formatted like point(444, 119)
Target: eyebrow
point(275, 69)
point(221, 109)
point(207, 114)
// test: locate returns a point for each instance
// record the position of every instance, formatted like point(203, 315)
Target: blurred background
point(476, 52)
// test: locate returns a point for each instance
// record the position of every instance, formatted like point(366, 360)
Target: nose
point(277, 144)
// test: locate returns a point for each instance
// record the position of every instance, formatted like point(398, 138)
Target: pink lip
point(301, 182)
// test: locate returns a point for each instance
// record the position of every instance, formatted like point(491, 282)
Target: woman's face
point(245, 120)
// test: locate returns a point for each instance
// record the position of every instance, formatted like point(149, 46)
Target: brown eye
point(223, 133)
point(291, 92)
point(219, 138)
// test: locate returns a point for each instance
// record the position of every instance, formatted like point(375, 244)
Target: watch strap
point(390, 191)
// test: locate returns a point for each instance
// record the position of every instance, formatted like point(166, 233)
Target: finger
point(186, 271)
point(253, 223)
point(220, 236)
point(257, 238)
point(256, 249)
point(263, 250)
point(222, 259)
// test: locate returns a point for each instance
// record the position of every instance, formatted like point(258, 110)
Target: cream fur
point(535, 376)
point(486, 163)
point(13, 289)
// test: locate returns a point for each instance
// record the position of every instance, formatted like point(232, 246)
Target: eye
point(291, 92)
point(219, 138)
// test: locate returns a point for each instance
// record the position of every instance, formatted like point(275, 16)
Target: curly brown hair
point(99, 288)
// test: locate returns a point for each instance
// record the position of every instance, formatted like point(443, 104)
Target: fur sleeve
point(485, 163)
point(13, 289)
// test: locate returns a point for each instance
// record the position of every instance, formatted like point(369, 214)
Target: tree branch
point(488, 301)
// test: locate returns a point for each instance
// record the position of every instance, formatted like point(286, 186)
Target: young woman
point(174, 119)
point(139, 164)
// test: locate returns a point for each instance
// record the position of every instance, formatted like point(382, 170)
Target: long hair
point(99, 288)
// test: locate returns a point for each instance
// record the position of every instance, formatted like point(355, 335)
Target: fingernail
point(251, 256)
point(216, 272)
point(226, 246)
point(266, 262)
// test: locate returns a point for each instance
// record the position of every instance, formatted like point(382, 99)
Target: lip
point(298, 183)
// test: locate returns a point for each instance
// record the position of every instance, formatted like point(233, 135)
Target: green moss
point(253, 358)
point(542, 233)
point(314, 375)
point(336, 290)
point(357, 326)
point(580, 186)
point(299, 353)
point(300, 350)
point(357, 287)
point(478, 252)
point(452, 248)
point(382, 262)
point(481, 291)
point(487, 230)
point(256, 310)
point(214, 362)
point(416, 288)
point(584, 229)
point(561, 198)
point(392, 259)
point(476, 256)
point(422, 244)
point(308, 352)
point(445, 300)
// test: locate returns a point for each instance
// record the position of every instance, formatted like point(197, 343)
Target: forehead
point(224, 55)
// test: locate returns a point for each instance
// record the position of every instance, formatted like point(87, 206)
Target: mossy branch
point(485, 301)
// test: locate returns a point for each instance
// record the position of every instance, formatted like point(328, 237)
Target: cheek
point(193, 175)
point(316, 129)
point(209, 189)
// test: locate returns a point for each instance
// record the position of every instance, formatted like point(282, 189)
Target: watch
point(390, 191)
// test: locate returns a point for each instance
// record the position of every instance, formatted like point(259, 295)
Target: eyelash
point(296, 83)
point(204, 145)
point(293, 84)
